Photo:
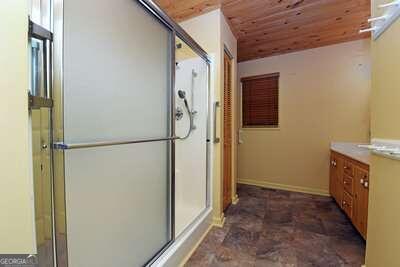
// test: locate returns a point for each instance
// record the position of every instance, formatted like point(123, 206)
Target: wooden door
point(227, 149)
point(361, 201)
point(336, 177)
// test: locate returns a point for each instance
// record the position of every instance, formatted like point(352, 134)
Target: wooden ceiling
point(272, 27)
point(181, 10)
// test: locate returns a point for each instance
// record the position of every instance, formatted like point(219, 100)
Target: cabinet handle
point(366, 184)
point(361, 181)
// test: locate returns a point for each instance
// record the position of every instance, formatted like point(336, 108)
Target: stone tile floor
point(278, 228)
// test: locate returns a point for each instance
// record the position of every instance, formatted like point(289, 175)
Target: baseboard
point(195, 247)
point(301, 189)
point(235, 199)
point(219, 221)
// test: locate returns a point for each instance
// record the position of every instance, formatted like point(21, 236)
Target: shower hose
point(190, 120)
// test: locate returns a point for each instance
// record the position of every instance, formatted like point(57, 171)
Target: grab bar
point(216, 139)
point(62, 146)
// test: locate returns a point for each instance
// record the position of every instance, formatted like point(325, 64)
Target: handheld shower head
point(182, 94)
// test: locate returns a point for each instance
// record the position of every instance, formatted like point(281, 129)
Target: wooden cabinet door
point(361, 200)
point(339, 179)
point(336, 177)
point(333, 176)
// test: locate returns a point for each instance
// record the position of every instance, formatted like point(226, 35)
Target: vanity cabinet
point(349, 183)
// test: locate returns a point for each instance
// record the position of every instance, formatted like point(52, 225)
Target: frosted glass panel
point(116, 71)
point(116, 87)
point(191, 154)
point(117, 204)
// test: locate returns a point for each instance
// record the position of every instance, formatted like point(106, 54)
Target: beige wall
point(16, 201)
point(383, 243)
point(324, 97)
point(211, 32)
point(386, 84)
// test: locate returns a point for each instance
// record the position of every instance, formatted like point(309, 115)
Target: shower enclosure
point(191, 77)
point(129, 118)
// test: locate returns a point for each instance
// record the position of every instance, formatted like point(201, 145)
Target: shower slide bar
point(62, 146)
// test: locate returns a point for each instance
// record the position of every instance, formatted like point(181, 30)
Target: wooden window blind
point(260, 100)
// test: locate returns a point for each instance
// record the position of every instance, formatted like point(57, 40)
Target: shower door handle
point(216, 106)
point(63, 146)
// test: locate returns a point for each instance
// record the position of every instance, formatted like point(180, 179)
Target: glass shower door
point(118, 139)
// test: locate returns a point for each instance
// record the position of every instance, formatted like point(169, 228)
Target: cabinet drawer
point(348, 184)
point(347, 204)
point(348, 168)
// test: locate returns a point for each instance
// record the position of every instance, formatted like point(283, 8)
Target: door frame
point(40, 28)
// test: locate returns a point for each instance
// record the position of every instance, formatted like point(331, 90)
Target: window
point(260, 95)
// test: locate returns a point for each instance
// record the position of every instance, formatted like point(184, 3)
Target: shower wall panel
point(191, 159)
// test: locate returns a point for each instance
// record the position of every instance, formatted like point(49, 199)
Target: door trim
point(226, 204)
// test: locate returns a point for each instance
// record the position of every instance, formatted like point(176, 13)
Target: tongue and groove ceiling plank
point(272, 27)
point(181, 10)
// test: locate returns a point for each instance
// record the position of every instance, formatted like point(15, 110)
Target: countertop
point(352, 150)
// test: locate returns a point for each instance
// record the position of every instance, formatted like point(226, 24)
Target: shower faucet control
point(179, 113)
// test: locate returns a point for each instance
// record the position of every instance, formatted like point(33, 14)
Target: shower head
point(182, 94)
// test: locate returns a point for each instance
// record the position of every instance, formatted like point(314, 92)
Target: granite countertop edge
point(352, 150)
